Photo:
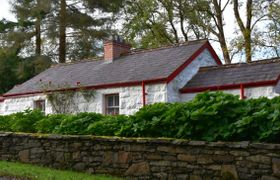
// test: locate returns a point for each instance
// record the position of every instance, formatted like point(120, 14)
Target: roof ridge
point(78, 62)
point(135, 51)
point(186, 43)
point(256, 62)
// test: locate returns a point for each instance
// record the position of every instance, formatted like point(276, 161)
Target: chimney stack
point(115, 47)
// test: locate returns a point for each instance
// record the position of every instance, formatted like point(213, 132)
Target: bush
point(77, 124)
point(109, 126)
point(209, 116)
point(50, 123)
point(25, 121)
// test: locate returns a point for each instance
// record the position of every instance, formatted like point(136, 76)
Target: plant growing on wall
point(65, 100)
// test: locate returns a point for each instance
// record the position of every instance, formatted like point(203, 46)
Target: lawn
point(26, 171)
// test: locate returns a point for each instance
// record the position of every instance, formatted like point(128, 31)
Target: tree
point(256, 12)
point(81, 25)
point(30, 15)
point(152, 23)
point(210, 16)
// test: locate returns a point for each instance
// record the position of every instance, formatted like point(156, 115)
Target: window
point(40, 104)
point(112, 104)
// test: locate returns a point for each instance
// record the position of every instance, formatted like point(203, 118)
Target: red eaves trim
point(208, 46)
point(229, 86)
point(101, 86)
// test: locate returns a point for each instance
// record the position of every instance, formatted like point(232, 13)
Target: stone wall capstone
point(145, 158)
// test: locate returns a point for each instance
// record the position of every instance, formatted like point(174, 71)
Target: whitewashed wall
point(1, 108)
point(253, 92)
point(130, 100)
point(204, 59)
point(14, 105)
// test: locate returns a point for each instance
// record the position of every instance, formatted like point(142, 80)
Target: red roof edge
point(208, 46)
point(101, 86)
point(229, 86)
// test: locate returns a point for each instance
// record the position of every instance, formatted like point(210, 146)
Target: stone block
point(229, 172)
point(138, 169)
point(195, 177)
point(204, 160)
point(239, 153)
point(124, 157)
point(260, 159)
point(24, 156)
point(186, 157)
point(276, 167)
point(268, 178)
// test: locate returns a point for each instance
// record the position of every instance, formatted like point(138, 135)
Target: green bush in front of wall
point(210, 116)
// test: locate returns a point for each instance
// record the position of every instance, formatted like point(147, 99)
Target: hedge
point(209, 117)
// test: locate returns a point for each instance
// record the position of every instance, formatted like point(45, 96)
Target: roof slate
point(138, 66)
point(242, 73)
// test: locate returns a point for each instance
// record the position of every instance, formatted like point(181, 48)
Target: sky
point(5, 10)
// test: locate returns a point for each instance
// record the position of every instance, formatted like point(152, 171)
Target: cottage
point(124, 80)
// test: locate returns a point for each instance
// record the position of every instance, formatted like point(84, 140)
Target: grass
point(19, 170)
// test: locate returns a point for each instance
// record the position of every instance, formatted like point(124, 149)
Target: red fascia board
point(229, 86)
point(101, 86)
point(208, 46)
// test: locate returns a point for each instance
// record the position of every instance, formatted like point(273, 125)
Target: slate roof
point(137, 66)
point(259, 71)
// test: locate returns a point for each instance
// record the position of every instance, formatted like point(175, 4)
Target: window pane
point(110, 101)
point(116, 100)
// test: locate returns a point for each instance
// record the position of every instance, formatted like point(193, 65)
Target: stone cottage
point(124, 80)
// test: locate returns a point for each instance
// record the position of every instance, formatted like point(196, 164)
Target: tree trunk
point(38, 37)
point(246, 30)
point(221, 34)
point(62, 31)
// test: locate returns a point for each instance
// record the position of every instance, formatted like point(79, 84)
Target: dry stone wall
point(145, 158)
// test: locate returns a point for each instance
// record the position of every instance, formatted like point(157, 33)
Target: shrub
point(50, 123)
point(109, 126)
point(77, 124)
point(25, 121)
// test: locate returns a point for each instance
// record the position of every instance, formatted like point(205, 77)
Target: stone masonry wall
point(145, 158)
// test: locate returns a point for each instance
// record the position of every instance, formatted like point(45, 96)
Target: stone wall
point(145, 158)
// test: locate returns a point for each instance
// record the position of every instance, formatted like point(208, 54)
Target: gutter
point(229, 86)
point(101, 86)
point(143, 93)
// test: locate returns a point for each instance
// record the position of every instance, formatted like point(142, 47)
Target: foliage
point(108, 126)
point(50, 123)
point(209, 116)
point(77, 124)
point(25, 121)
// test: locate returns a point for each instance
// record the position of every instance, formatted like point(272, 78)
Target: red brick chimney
point(115, 47)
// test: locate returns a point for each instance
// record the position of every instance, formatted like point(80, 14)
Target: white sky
point(5, 10)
